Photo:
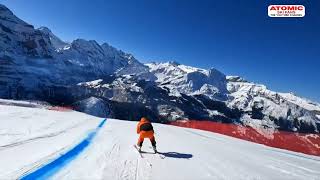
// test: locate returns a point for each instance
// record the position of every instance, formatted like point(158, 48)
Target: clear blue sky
point(236, 37)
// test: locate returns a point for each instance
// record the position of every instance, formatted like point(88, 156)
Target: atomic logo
point(286, 11)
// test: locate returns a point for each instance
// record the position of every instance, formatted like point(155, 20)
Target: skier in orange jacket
point(145, 130)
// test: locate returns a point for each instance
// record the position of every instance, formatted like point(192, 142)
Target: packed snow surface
point(31, 138)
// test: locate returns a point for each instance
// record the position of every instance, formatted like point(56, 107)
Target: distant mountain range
point(101, 80)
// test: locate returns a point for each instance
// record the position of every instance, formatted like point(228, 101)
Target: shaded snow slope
point(38, 136)
point(93, 106)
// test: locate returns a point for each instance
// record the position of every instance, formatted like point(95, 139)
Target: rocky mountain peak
point(56, 42)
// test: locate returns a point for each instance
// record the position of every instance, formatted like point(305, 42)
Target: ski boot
point(155, 149)
point(139, 149)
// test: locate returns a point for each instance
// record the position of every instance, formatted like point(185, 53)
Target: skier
point(145, 130)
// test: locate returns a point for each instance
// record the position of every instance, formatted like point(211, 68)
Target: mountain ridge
point(35, 64)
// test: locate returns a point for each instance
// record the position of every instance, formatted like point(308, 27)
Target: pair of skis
point(141, 152)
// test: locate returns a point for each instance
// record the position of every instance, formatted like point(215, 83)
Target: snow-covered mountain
point(272, 109)
point(37, 64)
point(259, 106)
point(190, 80)
point(99, 79)
point(20, 38)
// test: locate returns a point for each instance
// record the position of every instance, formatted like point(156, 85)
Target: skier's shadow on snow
point(176, 155)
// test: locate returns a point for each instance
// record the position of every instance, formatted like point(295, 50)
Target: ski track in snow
point(54, 166)
point(40, 137)
point(183, 153)
point(226, 158)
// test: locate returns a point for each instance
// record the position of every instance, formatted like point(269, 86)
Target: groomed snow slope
point(31, 137)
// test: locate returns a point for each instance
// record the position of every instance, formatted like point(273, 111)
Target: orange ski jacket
point(145, 128)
